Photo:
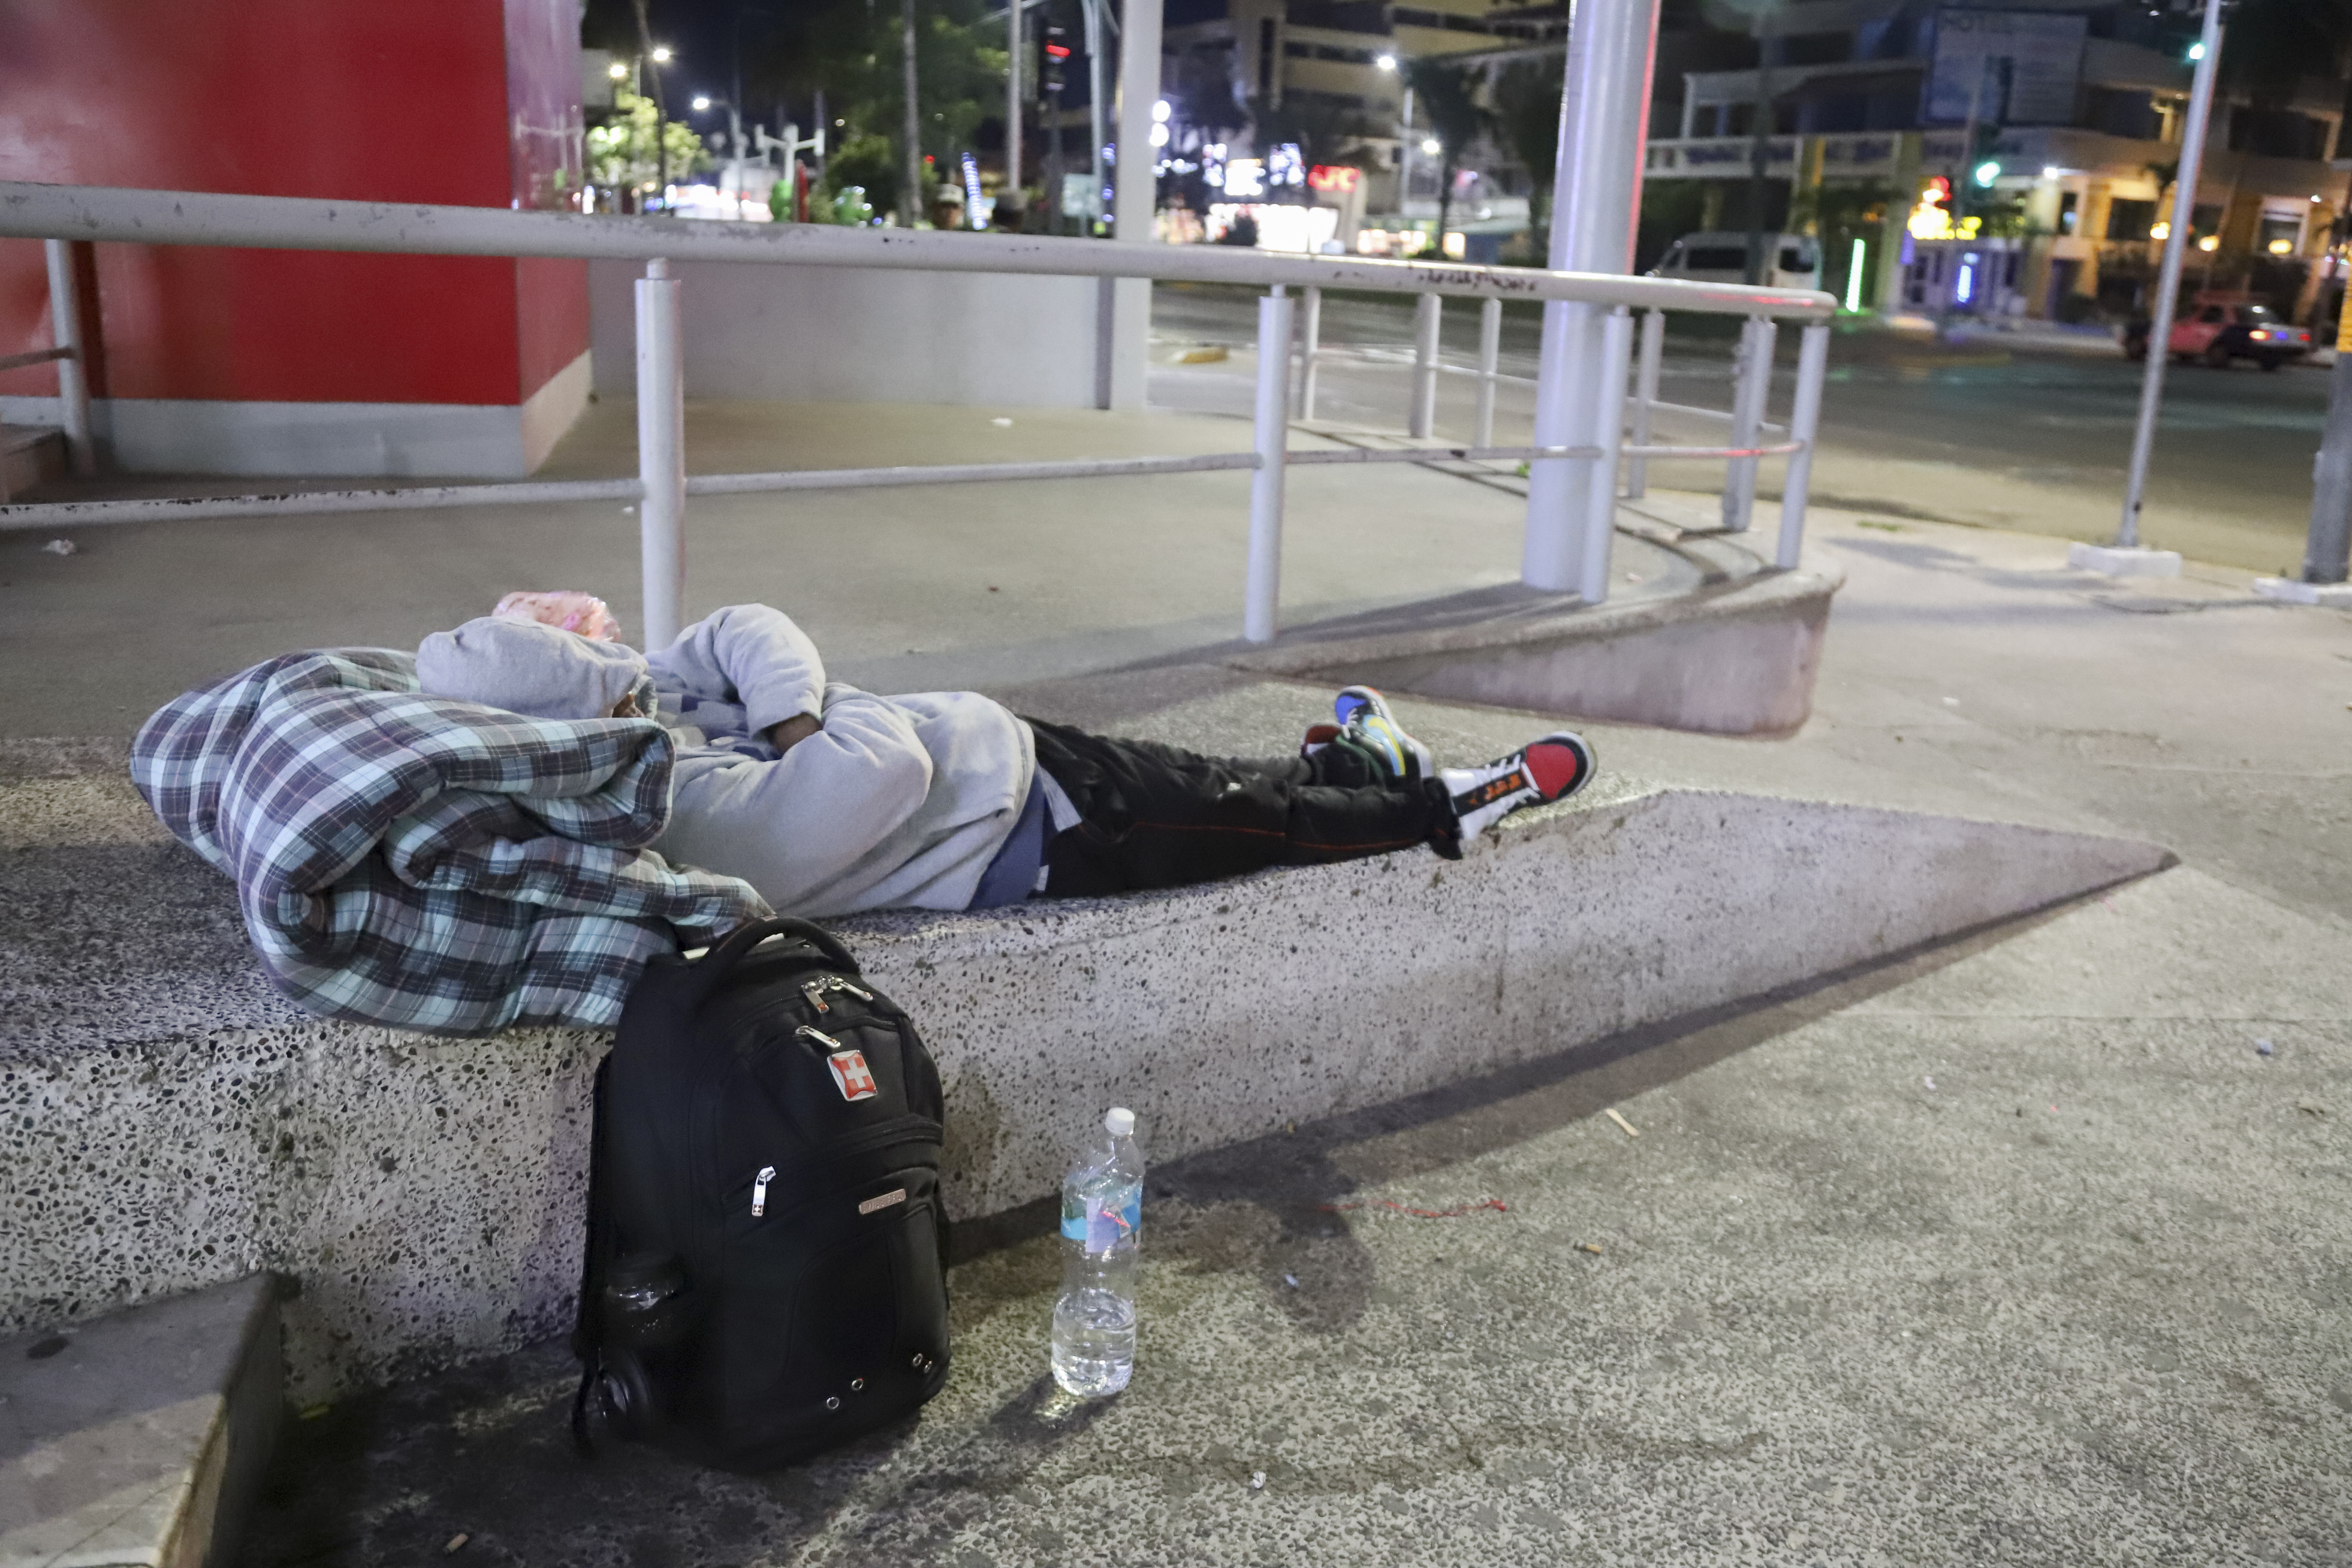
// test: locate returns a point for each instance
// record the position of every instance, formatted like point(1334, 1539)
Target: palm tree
point(1527, 117)
point(1444, 93)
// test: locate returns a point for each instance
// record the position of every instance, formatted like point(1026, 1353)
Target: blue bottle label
point(1106, 1219)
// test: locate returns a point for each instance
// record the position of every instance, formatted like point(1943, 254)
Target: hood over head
point(526, 667)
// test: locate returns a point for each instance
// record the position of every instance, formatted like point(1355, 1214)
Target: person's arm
point(754, 655)
point(797, 824)
point(793, 731)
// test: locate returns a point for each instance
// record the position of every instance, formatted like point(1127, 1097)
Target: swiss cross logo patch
point(849, 1071)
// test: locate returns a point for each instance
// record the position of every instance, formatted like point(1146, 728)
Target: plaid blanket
point(426, 863)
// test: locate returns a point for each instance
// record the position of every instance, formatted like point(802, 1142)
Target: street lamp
point(661, 54)
point(1386, 62)
point(703, 102)
point(618, 71)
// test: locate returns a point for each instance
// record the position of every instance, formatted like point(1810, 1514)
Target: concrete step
point(30, 455)
point(427, 1193)
point(139, 1436)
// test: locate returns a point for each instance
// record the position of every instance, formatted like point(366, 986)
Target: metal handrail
point(60, 214)
point(302, 223)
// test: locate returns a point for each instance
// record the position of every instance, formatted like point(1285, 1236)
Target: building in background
point(267, 362)
point(1295, 115)
point(2010, 160)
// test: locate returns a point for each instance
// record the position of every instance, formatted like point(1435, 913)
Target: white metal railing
point(60, 214)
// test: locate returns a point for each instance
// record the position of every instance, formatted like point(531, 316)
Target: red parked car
point(2218, 330)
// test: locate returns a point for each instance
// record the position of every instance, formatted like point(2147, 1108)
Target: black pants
point(1159, 816)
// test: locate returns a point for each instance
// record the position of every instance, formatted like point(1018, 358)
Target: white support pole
point(1310, 344)
point(1421, 422)
point(1748, 400)
point(1604, 111)
point(1646, 399)
point(1609, 423)
point(1262, 597)
point(661, 454)
point(73, 372)
point(1134, 198)
point(1490, 354)
point(1804, 424)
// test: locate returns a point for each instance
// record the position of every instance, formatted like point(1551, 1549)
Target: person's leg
point(1154, 815)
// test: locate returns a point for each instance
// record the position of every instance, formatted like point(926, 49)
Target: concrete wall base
point(1736, 659)
point(836, 334)
point(169, 1122)
point(344, 440)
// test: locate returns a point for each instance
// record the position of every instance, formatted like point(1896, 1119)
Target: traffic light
point(1053, 54)
point(1984, 162)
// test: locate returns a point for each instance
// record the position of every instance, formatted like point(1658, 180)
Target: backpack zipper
point(906, 1128)
point(814, 990)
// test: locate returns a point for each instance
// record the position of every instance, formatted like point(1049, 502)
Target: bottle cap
point(1121, 1123)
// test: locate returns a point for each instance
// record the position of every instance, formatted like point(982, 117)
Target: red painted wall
point(408, 102)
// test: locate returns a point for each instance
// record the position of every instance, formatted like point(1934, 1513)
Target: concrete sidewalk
point(2021, 1249)
point(904, 589)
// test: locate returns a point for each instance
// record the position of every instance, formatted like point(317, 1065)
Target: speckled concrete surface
point(2017, 1252)
point(172, 1122)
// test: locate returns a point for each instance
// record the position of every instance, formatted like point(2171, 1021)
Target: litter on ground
point(1611, 1114)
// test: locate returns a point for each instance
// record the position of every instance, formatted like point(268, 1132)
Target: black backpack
point(766, 1269)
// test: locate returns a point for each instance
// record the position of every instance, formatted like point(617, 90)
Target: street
point(2034, 438)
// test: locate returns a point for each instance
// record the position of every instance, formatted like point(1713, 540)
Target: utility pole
point(2127, 557)
point(1093, 11)
point(1013, 48)
point(911, 201)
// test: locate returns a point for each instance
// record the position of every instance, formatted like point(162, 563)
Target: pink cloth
point(567, 609)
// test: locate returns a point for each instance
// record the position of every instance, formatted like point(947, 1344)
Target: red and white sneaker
point(1538, 773)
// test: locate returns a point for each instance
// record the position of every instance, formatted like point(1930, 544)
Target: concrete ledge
point(171, 1124)
point(2291, 590)
point(1736, 658)
point(139, 1439)
point(2115, 561)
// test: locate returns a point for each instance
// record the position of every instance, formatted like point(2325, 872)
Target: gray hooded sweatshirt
point(895, 803)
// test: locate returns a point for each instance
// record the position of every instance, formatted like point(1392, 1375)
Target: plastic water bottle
point(1102, 1213)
